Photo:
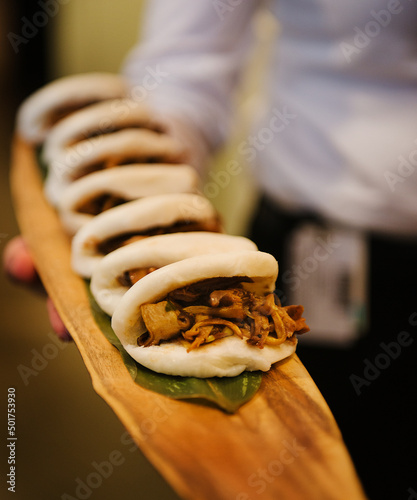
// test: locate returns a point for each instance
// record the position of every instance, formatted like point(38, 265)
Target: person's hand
point(18, 265)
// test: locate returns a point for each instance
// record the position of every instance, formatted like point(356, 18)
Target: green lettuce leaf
point(228, 393)
point(41, 164)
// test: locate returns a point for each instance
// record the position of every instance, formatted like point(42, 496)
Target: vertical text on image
point(11, 439)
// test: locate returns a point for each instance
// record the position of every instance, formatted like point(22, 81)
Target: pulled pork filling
point(110, 129)
point(216, 308)
point(130, 277)
point(98, 204)
point(117, 161)
point(107, 246)
point(65, 110)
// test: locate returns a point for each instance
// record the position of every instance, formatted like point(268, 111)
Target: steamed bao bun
point(121, 147)
point(226, 357)
point(145, 214)
point(70, 92)
point(130, 182)
point(156, 251)
point(94, 120)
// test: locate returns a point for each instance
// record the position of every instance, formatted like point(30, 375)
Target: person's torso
point(339, 134)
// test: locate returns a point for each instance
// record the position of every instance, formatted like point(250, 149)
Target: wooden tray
point(283, 444)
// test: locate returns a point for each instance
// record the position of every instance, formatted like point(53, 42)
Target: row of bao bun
point(184, 298)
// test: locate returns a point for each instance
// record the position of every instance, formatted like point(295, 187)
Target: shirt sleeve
point(189, 61)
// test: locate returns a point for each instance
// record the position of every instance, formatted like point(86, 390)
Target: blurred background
point(63, 427)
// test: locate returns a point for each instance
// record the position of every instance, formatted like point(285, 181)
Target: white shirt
point(339, 133)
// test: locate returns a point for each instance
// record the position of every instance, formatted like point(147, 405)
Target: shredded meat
point(62, 112)
point(120, 240)
point(206, 330)
point(192, 292)
point(116, 161)
point(110, 129)
point(130, 277)
point(200, 316)
point(99, 204)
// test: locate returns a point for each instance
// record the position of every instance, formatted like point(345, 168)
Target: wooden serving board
point(283, 444)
